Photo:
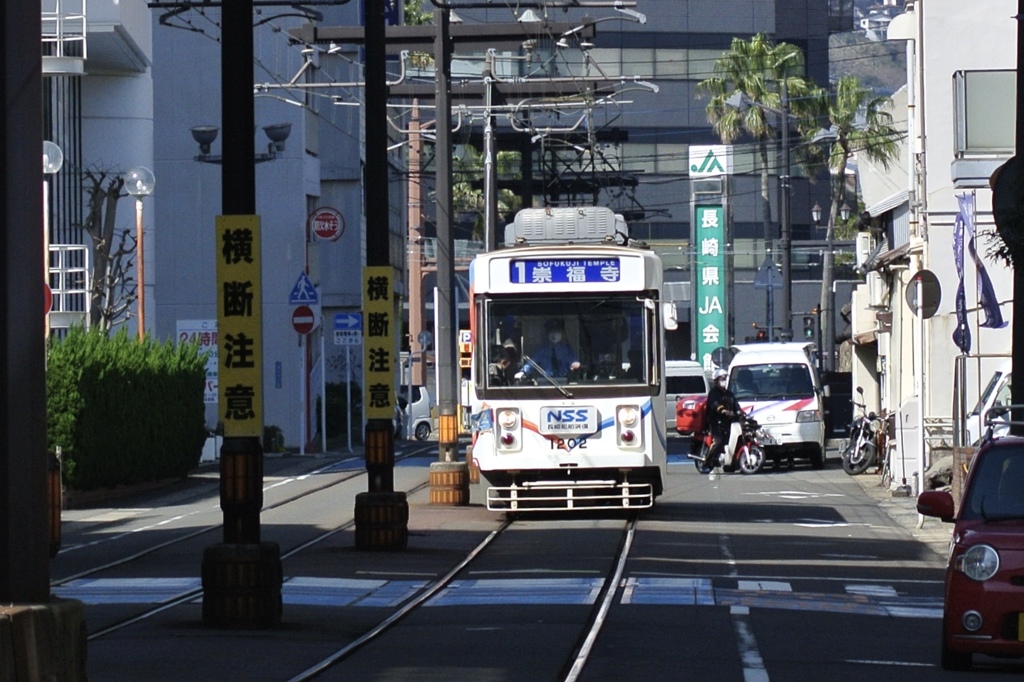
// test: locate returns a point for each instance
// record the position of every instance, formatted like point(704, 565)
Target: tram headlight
point(508, 419)
point(629, 419)
point(629, 416)
point(509, 425)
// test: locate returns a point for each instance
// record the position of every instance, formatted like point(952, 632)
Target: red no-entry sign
point(303, 320)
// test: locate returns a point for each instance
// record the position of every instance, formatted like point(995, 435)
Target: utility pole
point(241, 564)
point(786, 236)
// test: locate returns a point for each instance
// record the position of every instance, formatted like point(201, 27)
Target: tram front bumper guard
point(571, 495)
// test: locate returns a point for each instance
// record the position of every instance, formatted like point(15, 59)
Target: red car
point(984, 599)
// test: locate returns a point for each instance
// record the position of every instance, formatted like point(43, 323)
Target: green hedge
point(124, 411)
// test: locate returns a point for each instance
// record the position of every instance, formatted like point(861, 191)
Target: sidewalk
point(932, 532)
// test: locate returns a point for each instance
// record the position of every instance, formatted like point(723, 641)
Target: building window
point(984, 112)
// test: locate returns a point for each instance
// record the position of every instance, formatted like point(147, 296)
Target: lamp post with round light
point(139, 182)
point(828, 275)
point(53, 160)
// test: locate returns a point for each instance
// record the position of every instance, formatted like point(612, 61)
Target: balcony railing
point(64, 43)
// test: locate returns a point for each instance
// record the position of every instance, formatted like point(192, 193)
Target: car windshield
point(559, 341)
point(996, 488)
point(771, 381)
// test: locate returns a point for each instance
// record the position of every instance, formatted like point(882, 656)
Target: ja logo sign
point(710, 160)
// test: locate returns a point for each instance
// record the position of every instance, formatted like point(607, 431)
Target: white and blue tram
point(586, 429)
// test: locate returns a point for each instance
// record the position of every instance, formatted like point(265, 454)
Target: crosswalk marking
point(764, 586)
point(855, 597)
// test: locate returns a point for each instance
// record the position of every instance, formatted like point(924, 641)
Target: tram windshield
point(546, 340)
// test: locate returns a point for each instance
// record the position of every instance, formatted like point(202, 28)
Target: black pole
point(24, 553)
point(238, 197)
point(446, 313)
point(238, 169)
point(1017, 334)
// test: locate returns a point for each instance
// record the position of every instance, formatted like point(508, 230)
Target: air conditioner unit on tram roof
point(577, 225)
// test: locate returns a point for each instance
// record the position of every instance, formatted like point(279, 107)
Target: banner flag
point(987, 300)
point(962, 333)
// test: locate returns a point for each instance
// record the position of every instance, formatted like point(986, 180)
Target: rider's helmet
point(719, 375)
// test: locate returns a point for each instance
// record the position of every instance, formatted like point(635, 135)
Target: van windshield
point(688, 384)
point(986, 395)
point(771, 381)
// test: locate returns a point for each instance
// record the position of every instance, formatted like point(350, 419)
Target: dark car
point(984, 595)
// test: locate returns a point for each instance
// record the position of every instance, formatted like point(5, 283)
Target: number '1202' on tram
point(568, 394)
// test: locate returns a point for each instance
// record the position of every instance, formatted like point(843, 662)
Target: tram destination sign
point(564, 270)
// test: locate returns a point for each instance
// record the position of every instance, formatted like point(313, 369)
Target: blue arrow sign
point(303, 293)
point(348, 321)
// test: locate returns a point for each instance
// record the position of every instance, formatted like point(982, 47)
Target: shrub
point(124, 411)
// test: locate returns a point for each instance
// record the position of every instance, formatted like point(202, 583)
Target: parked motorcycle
point(747, 456)
point(861, 449)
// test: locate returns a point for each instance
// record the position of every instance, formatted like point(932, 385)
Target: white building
point(964, 56)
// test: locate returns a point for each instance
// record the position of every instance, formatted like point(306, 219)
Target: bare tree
point(113, 287)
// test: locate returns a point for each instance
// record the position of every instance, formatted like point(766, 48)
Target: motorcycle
point(861, 448)
point(747, 455)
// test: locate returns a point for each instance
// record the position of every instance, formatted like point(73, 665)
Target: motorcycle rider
point(722, 411)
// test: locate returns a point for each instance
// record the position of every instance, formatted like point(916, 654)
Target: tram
point(568, 391)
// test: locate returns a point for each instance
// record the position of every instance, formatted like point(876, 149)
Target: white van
point(778, 385)
point(996, 394)
point(415, 420)
point(684, 379)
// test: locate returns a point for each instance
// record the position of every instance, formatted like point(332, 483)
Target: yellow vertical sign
point(239, 326)
point(378, 343)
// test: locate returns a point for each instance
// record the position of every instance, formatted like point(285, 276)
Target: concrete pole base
point(382, 520)
point(43, 641)
point(242, 585)
point(449, 484)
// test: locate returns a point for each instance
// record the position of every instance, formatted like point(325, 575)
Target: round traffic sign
point(302, 319)
point(327, 223)
point(924, 293)
point(47, 299)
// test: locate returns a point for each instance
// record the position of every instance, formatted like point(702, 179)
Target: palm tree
point(760, 71)
point(859, 121)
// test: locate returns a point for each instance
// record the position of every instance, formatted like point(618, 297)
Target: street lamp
point(827, 278)
point(738, 100)
point(53, 160)
point(139, 182)
point(204, 136)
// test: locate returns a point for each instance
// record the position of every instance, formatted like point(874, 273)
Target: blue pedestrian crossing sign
point(303, 293)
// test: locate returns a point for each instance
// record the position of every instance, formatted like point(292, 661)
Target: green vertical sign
point(710, 281)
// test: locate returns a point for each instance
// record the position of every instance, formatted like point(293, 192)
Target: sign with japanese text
point(327, 224)
point(711, 329)
point(564, 270)
point(379, 361)
point(239, 325)
point(203, 333)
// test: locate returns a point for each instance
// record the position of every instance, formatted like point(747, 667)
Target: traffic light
point(762, 335)
point(809, 327)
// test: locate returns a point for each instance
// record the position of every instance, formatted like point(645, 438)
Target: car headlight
point(808, 416)
point(980, 563)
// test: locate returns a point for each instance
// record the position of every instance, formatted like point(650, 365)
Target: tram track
point(344, 477)
point(575, 660)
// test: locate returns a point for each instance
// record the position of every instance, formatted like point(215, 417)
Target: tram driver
point(555, 356)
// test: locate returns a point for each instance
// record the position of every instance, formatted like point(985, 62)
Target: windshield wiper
point(551, 379)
